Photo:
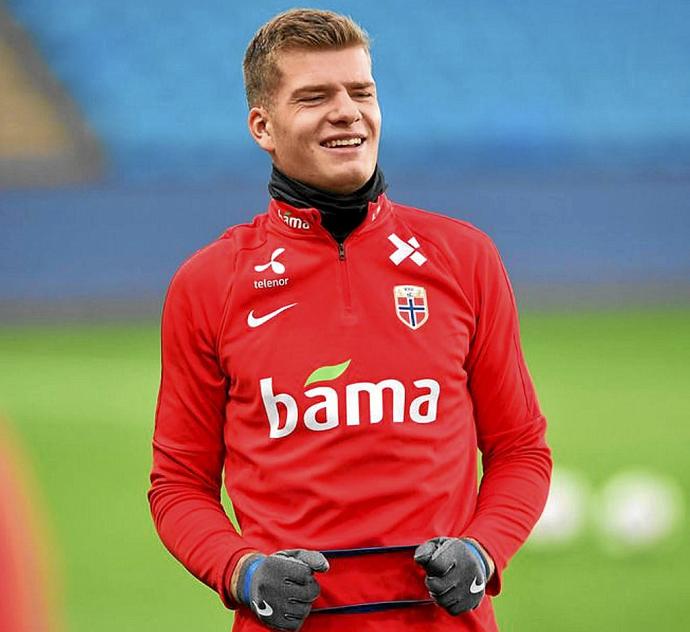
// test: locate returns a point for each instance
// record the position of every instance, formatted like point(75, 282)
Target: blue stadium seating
point(464, 85)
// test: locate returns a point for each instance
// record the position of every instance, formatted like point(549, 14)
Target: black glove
point(456, 572)
point(280, 588)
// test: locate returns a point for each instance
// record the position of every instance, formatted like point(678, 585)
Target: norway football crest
point(411, 305)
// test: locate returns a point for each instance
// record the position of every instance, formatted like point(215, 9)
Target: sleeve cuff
point(493, 586)
point(224, 587)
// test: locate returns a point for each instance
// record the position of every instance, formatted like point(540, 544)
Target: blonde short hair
point(290, 30)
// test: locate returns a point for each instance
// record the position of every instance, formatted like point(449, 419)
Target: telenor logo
point(282, 411)
point(274, 264)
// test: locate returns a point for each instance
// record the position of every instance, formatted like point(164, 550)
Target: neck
point(340, 213)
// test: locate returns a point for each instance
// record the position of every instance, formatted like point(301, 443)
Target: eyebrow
point(325, 87)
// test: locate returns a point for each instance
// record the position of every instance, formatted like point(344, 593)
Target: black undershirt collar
point(340, 214)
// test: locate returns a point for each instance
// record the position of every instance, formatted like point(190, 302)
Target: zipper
point(347, 295)
point(344, 272)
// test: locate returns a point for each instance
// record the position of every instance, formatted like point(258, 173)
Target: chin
point(347, 182)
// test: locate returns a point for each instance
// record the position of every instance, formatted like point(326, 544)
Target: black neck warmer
point(340, 213)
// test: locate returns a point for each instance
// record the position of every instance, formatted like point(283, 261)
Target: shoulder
point(200, 288)
point(213, 264)
point(456, 238)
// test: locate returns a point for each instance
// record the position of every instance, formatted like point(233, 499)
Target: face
point(323, 124)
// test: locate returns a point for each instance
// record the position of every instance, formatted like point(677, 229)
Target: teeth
point(344, 142)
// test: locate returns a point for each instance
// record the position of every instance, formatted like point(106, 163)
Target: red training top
point(345, 390)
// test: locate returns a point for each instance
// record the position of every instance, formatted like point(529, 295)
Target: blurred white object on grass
point(565, 513)
point(637, 510)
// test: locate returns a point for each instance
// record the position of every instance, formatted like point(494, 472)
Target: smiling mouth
point(343, 142)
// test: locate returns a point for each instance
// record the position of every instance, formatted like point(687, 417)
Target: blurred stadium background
point(560, 128)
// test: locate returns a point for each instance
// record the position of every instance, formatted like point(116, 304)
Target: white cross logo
point(276, 266)
point(405, 249)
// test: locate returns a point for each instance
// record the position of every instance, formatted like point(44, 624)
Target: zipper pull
point(341, 251)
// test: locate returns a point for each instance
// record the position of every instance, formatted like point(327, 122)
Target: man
point(342, 357)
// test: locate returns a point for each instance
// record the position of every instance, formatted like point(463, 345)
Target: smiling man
point(319, 127)
point(342, 358)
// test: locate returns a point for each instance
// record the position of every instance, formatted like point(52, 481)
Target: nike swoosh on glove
point(280, 588)
point(456, 572)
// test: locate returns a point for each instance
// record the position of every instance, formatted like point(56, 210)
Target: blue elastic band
point(376, 606)
point(479, 556)
point(248, 578)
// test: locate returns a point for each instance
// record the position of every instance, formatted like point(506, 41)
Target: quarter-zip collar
point(340, 213)
point(306, 222)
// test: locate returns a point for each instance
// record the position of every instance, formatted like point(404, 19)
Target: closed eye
point(311, 99)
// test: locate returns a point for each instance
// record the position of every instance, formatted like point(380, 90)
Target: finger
point(277, 568)
point(295, 623)
point(423, 553)
point(443, 559)
point(447, 600)
point(313, 590)
point(297, 609)
point(455, 608)
point(313, 559)
point(306, 593)
point(287, 624)
point(438, 586)
point(296, 573)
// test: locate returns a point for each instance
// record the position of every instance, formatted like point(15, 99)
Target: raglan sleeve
point(188, 445)
point(511, 429)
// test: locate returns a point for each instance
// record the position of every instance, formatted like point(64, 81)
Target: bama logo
point(419, 406)
point(292, 220)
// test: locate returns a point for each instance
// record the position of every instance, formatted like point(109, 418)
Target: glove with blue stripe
point(456, 572)
point(281, 588)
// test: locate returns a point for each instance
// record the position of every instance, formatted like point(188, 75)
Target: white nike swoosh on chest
point(255, 321)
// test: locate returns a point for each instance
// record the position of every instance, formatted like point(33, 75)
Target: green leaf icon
point(325, 373)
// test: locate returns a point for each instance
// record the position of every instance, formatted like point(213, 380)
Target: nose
point(345, 110)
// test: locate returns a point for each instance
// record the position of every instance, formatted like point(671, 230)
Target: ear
point(260, 128)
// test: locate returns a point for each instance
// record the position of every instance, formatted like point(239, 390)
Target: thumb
point(313, 559)
point(423, 552)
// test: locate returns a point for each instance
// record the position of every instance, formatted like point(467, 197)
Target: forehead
point(300, 67)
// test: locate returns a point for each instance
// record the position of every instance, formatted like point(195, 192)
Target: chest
point(299, 305)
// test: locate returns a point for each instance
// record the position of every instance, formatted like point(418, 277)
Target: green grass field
point(614, 387)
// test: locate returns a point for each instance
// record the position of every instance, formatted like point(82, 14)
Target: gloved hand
point(456, 572)
point(280, 588)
